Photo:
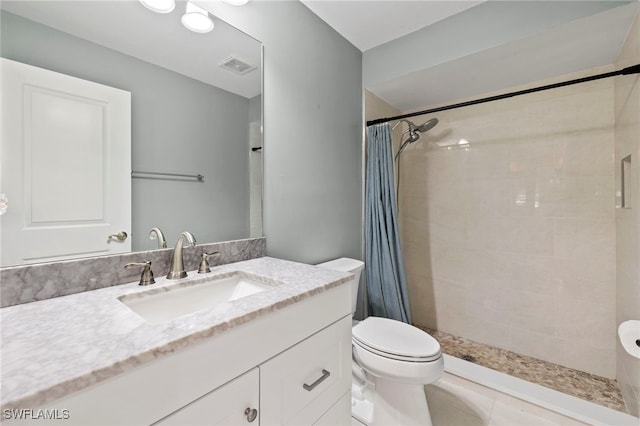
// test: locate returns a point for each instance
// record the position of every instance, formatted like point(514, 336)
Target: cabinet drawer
point(302, 383)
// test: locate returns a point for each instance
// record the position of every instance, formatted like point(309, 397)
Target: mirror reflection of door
point(66, 166)
point(190, 110)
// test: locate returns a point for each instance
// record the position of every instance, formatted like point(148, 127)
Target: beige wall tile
point(442, 235)
point(489, 332)
point(485, 197)
point(531, 311)
point(627, 142)
point(578, 291)
point(589, 153)
point(449, 263)
point(530, 235)
point(597, 270)
point(487, 269)
point(422, 301)
point(570, 353)
point(449, 306)
point(532, 158)
point(490, 304)
point(535, 274)
point(417, 262)
point(517, 222)
point(586, 239)
point(584, 196)
point(626, 99)
point(598, 361)
point(486, 161)
point(592, 324)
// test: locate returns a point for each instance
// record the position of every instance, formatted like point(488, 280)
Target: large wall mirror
point(195, 129)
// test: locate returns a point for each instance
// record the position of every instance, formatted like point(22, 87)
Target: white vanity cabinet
point(292, 365)
point(298, 386)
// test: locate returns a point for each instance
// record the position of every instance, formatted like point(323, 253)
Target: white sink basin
point(167, 303)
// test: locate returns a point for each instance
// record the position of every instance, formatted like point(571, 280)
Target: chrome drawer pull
point(322, 378)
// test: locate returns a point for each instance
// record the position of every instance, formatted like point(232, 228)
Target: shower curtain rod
point(634, 69)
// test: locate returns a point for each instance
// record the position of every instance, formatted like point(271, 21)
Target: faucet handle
point(146, 277)
point(204, 263)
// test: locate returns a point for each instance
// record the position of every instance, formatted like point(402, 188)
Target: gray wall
point(312, 130)
point(187, 127)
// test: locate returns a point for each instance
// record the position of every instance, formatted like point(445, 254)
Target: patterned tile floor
point(598, 390)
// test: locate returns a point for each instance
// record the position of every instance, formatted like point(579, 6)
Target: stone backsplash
point(29, 283)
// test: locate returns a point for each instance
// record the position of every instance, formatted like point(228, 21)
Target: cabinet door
point(298, 386)
point(235, 403)
point(339, 414)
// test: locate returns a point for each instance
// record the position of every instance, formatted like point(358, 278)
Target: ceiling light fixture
point(236, 2)
point(159, 6)
point(197, 19)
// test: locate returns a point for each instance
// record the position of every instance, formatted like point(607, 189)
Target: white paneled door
point(65, 166)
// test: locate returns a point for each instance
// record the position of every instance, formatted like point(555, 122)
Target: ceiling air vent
point(237, 65)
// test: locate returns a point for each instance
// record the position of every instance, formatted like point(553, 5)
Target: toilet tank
point(345, 264)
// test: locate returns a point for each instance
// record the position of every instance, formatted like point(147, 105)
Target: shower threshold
point(570, 392)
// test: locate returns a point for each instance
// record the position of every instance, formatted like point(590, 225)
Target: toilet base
point(390, 403)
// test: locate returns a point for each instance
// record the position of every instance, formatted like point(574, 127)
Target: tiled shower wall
point(509, 240)
point(627, 134)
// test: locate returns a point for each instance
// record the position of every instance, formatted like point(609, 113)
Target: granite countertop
point(52, 348)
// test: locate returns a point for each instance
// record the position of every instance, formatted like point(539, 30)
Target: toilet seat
point(395, 357)
point(395, 340)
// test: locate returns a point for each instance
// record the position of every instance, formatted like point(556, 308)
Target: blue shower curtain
point(386, 282)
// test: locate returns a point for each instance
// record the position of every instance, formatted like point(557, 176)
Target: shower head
point(428, 125)
point(414, 132)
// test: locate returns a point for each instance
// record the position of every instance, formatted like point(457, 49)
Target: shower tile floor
point(589, 387)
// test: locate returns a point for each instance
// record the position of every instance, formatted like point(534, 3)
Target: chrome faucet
point(176, 270)
point(156, 234)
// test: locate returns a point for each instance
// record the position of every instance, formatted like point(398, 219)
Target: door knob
point(120, 236)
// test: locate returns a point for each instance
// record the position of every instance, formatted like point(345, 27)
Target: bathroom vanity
point(277, 355)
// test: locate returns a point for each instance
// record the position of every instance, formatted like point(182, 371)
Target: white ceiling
point(160, 39)
point(370, 23)
point(422, 53)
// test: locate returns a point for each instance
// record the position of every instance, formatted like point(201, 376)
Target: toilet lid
point(395, 338)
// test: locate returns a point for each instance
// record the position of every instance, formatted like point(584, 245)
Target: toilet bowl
point(392, 362)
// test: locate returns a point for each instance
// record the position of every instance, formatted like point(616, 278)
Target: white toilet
point(392, 361)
